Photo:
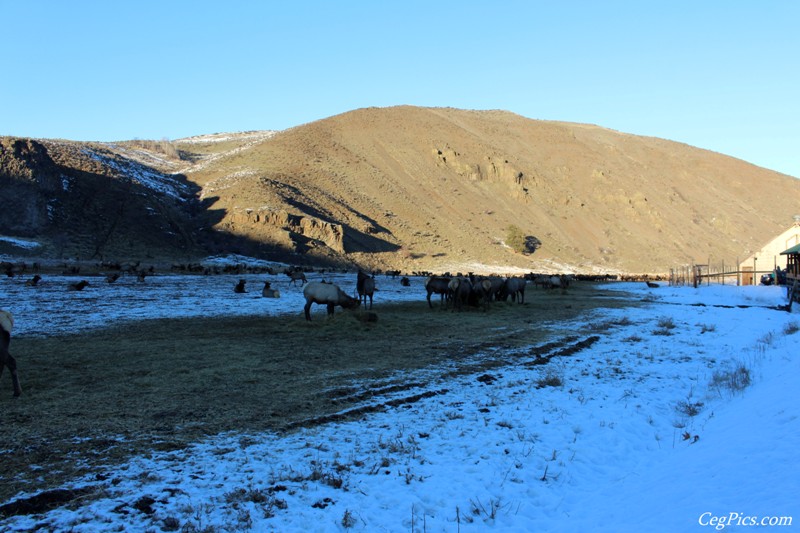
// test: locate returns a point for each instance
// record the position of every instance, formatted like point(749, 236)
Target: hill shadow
point(90, 203)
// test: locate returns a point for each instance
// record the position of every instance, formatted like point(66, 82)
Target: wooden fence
point(721, 273)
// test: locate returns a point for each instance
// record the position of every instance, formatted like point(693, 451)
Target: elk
point(269, 292)
point(365, 285)
point(459, 290)
point(79, 286)
point(437, 285)
point(482, 291)
point(239, 288)
point(328, 294)
point(515, 287)
point(297, 275)
point(6, 360)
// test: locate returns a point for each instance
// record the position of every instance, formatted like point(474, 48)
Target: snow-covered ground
point(647, 431)
point(161, 296)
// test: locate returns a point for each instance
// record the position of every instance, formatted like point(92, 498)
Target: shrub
point(666, 322)
point(706, 328)
point(348, 520)
point(551, 379)
point(734, 380)
point(665, 326)
point(689, 408)
point(519, 242)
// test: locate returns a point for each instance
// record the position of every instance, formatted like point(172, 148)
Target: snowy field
point(160, 296)
point(680, 417)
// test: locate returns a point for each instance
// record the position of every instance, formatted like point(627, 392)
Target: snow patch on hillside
point(142, 175)
point(20, 243)
point(231, 136)
point(249, 139)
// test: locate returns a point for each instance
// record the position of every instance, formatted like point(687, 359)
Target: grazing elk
point(6, 324)
point(497, 286)
point(459, 290)
point(482, 292)
point(34, 281)
point(328, 294)
point(269, 292)
point(437, 285)
point(365, 285)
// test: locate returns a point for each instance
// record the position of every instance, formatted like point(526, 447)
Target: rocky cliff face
point(301, 231)
point(80, 200)
point(30, 185)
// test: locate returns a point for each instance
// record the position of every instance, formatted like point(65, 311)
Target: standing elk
point(6, 360)
point(515, 287)
point(365, 285)
point(437, 285)
point(328, 294)
point(297, 275)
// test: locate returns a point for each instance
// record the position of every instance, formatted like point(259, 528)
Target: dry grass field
point(94, 399)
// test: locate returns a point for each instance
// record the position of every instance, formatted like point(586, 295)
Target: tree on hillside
point(519, 242)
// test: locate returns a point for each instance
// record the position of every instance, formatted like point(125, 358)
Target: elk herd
point(460, 291)
point(455, 293)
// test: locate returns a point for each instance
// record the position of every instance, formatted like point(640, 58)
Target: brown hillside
point(436, 189)
point(409, 188)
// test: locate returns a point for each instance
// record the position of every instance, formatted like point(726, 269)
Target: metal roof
point(793, 250)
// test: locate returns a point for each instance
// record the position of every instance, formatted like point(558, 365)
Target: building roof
point(793, 250)
point(773, 250)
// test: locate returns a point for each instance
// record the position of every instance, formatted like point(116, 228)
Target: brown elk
point(459, 290)
point(482, 291)
point(437, 285)
point(365, 285)
point(6, 360)
point(239, 288)
point(79, 286)
point(515, 287)
point(297, 275)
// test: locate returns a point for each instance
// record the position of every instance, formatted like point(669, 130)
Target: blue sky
point(721, 75)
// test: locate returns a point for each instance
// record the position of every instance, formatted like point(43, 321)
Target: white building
point(767, 258)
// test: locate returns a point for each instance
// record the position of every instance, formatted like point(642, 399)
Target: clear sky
point(717, 74)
